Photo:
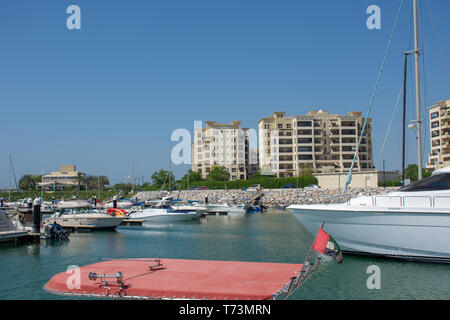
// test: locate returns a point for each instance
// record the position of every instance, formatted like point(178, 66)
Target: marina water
point(273, 236)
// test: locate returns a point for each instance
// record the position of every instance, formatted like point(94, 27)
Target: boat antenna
point(350, 171)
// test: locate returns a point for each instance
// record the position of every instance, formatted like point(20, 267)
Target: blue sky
point(115, 90)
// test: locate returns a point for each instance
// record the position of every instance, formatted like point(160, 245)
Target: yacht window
point(437, 182)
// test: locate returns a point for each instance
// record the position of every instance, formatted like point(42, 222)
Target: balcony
point(347, 132)
point(335, 132)
point(285, 150)
point(304, 141)
point(445, 135)
point(285, 141)
point(304, 124)
point(304, 133)
point(285, 158)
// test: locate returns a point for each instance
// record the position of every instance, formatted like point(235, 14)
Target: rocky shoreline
point(271, 197)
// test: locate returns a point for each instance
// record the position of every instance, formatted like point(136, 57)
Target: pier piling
point(37, 215)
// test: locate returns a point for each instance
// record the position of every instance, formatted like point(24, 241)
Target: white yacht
point(230, 209)
point(79, 215)
point(164, 211)
point(412, 223)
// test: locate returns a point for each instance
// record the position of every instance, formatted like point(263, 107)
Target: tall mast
point(132, 176)
point(10, 178)
point(404, 118)
point(418, 121)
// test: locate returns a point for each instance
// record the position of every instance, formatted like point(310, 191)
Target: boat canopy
point(435, 182)
point(442, 170)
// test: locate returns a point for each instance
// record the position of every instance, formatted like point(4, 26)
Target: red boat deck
point(178, 279)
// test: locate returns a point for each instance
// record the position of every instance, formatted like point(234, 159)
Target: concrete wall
point(367, 179)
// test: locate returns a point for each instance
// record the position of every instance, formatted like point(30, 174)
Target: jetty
point(8, 232)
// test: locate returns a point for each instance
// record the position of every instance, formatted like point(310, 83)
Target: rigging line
point(390, 122)
point(349, 176)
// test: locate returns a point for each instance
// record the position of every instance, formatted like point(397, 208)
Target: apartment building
point(318, 140)
point(227, 145)
point(439, 116)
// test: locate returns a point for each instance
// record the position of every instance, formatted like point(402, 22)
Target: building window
point(435, 133)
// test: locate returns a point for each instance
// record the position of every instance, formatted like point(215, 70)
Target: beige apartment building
point(318, 140)
point(227, 145)
point(67, 176)
point(439, 116)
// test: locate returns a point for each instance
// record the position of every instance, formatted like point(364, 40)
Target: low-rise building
point(67, 176)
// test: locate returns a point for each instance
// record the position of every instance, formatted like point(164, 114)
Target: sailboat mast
point(418, 121)
point(10, 178)
point(404, 118)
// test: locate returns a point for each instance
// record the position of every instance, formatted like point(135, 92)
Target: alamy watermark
point(374, 280)
point(74, 280)
point(74, 20)
point(374, 20)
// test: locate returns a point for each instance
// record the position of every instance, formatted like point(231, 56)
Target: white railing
point(409, 201)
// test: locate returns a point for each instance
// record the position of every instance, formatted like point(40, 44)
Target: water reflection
point(266, 237)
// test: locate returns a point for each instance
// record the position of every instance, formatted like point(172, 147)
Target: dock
point(217, 213)
point(9, 233)
point(13, 236)
point(131, 222)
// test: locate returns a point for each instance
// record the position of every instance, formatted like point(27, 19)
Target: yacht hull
point(407, 234)
point(158, 215)
point(104, 222)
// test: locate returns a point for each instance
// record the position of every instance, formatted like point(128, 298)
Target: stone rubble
point(271, 197)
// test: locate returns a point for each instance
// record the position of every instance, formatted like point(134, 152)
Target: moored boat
point(82, 216)
point(412, 223)
point(165, 211)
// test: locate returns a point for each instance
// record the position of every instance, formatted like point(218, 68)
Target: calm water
point(268, 237)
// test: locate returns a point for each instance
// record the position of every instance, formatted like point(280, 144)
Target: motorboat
point(81, 215)
point(165, 211)
point(165, 215)
point(232, 209)
point(412, 223)
point(122, 204)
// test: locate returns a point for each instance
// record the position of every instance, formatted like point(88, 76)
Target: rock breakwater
point(271, 197)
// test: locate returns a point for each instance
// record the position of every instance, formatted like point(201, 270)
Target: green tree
point(412, 172)
point(29, 182)
point(190, 177)
point(218, 173)
point(124, 187)
point(162, 177)
point(93, 182)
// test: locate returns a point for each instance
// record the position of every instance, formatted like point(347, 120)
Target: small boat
point(165, 215)
point(83, 216)
point(165, 211)
point(242, 208)
point(122, 204)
